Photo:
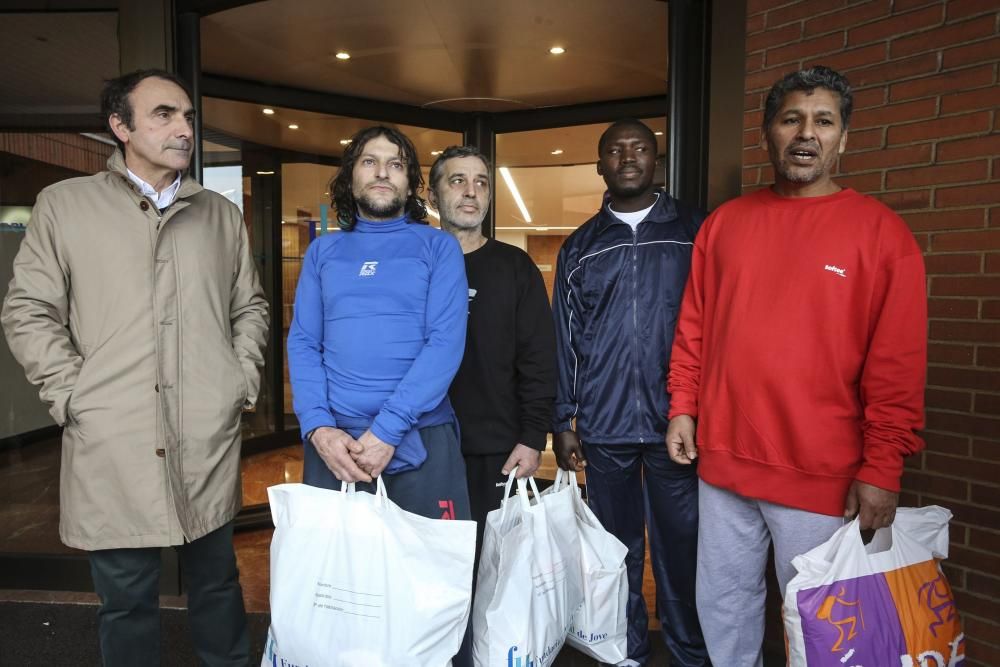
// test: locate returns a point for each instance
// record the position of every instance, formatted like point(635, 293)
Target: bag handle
point(381, 495)
point(565, 478)
point(521, 492)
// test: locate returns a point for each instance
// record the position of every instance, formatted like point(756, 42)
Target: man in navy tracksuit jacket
point(619, 282)
point(377, 336)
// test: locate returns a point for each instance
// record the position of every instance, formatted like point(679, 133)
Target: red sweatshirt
point(801, 348)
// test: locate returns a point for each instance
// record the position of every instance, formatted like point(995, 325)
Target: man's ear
point(763, 138)
point(119, 127)
point(843, 143)
point(432, 197)
point(600, 170)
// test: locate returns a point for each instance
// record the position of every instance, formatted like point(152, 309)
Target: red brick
point(755, 24)
point(960, 172)
point(945, 353)
point(895, 113)
point(965, 148)
point(985, 240)
point(867, 98)
point(866, 183)
point(764, 79)
point(986, 655)
point(801, 10)
point(956, 577)
point(751, 176)
point(965, 79)
point(984, 585)
point(906, 200)
point(851, 59)
point(968, 54)
point(974, 604)
point(952, 309)
point(947, 35)
point(993, 262)
point(756, 155)
point(862, 139)
point(988, 404)
point(953, 264)
point(897, 24)
point(806, 49)
point(970, 424)
point(962, 378)
point(977, 627)
point(755, 6)
point(854, 161)
point(752, 101)
point(752, 120)
point(754, 62)
point(947, 444)
point(983, 98)
point(991, 309)
point(958, 9)
point(968, 195)
point(970, 123)
point(848, 18)
point(985, 540)
point(944, 399)
point(896, 70)
point(937, 220)
point(948, 487)
point(778, 37)
point(965, 285)
point(988, 357)
point(974, 516)
point(751, 138)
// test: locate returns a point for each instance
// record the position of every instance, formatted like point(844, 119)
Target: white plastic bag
point(529, 584)
point(356, 580)
point(885, 603)
point(600, 626)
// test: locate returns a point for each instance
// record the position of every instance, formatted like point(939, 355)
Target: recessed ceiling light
point(557, 151)
point(557, 50)
point(326, 193)
point(658, 133)
point(436, 152)
point(267, 112)
point(293, 126)
point(264, 173)
point(343, 55)
point(344, 142)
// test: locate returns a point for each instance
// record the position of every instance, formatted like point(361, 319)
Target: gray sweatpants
point(733, 537)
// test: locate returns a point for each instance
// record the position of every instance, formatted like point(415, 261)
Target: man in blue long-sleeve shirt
point(378, 334)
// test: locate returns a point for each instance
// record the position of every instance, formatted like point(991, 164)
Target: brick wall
point(925, 139)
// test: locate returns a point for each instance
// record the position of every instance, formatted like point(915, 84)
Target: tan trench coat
point(146, 335)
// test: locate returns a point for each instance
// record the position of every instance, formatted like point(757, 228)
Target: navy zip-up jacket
point(616, 300)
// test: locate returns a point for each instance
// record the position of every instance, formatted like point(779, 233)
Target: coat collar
point(116, 165)
point(664, 210)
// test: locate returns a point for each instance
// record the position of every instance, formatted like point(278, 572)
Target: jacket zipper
point(635, 328)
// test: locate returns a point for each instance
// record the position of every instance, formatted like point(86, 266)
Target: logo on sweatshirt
point(836, 269)
point(368, 269)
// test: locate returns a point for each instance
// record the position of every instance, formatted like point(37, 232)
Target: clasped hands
point(351, 460)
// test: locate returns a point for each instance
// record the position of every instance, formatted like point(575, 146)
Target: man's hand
point(525, 458)
point(569, 451)
point(680, 440)
point(337, 450)
point(375, 454)
point(877, 507)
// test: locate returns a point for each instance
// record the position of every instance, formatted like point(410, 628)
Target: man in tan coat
point(136, 308)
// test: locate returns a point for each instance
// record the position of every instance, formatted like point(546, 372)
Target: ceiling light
point(267, 112)
point(264, 173)
point(344, 142)
point(658, 133)
point(509, 180)
point(542, 229)
point(343, 55)
point(293, 126)
point(557, 151)
point(436, 152)
point(557, 50)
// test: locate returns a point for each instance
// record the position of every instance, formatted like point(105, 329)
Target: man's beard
point(370, 209)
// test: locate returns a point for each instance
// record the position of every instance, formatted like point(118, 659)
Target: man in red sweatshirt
point(801, 353)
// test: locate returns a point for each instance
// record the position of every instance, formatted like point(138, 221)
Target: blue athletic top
point(379, 332)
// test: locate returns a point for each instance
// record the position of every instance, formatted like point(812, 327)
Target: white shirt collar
point(161, 199)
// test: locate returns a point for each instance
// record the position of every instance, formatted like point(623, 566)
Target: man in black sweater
point(505, 387)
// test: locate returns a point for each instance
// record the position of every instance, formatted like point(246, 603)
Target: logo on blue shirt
point(368, 269)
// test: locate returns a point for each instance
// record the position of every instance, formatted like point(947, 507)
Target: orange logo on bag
point(937, 596)
point(841, 614)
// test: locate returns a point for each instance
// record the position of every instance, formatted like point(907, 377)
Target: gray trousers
point(734, 533)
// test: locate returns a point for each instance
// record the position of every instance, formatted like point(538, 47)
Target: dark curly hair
point(342, 195)
point(808, 80)
point(115, 101)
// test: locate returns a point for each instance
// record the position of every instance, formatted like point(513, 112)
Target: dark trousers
point(630, 488)
point(128, 584)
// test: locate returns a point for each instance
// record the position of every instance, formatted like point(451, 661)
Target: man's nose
point(469, 190)
point(807, 129)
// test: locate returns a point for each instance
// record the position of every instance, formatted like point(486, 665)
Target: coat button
point(156, 388)
point(144, 205)
point(162, 453)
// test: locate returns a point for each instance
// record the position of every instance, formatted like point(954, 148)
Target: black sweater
point(504, 390)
